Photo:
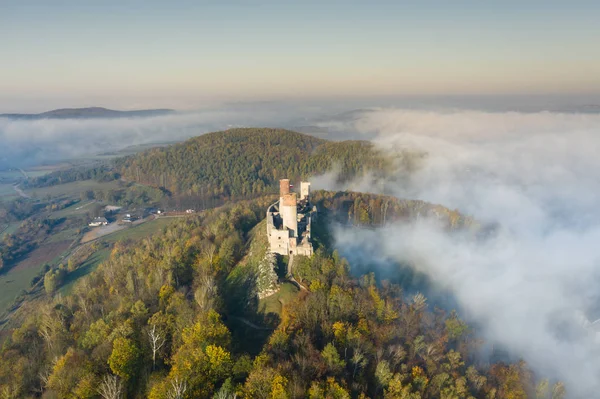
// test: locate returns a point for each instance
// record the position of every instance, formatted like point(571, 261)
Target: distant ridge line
point(89, 113)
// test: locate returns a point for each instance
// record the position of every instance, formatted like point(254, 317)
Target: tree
point(157, 340)
point(178, 389)
point(383, 373)
point(332, 359)
point(331, 390)
point(111, 387)
point(53, 279)
point(123, 360)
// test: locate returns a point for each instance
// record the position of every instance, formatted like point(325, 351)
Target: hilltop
point(246, 162)
point(179, 312)
point(89, 113)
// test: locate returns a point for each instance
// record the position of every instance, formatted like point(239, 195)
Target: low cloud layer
point(534, 287)
point(31, 142)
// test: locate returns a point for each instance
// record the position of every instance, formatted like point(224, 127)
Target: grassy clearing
point(10, 175)
point(73, 189)
point(78, 208)
point(139, 231)
point(273, 303)
point(86, 268)
point(37, 173)
point(65, 235)
point(18, 278)
point(6, 189)
point(9, 228)
point(13, 282)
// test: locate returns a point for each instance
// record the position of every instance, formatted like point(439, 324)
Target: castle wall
point(279, 241)
point(282, 222)
point(304, 190)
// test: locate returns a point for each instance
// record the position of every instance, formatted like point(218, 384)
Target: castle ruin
point(289, 221)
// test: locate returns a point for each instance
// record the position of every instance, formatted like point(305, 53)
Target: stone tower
point(304, 190)
point(289, 213)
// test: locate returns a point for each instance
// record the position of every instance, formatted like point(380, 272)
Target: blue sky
point(182, 51)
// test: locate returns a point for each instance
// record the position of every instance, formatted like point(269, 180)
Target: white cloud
point(536, 174)
point(27, 142)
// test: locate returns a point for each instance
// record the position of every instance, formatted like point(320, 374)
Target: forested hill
point(239, 163)
point(177, 316)
point(89, 113)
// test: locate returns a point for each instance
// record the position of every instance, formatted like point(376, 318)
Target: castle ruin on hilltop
point(289, 221)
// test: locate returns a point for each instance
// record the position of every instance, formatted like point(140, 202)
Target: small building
point(99, 221)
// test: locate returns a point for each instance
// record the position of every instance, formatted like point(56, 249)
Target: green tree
point(332, 359)
point(124, 359)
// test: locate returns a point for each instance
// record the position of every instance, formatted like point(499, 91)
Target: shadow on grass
point(249, 325)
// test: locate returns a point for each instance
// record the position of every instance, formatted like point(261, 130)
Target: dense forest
point(101, 173)
point(244, 163)
point(176, 315)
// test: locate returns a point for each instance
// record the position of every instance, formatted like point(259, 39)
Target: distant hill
point(247, 162)
point(89, 113)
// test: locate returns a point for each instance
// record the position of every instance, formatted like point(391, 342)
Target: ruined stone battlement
point(289, 221)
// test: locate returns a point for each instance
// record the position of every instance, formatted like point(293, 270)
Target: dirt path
point(20, 192)
point(249, 323)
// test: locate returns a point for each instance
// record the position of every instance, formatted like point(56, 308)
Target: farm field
point(6, 189)
point(9, 228)
point(139, 231)
point(7, 192)
point(10, 176)
point(19, 276)
point(78, 208)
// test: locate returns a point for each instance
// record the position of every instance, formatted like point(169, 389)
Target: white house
point(99, 221)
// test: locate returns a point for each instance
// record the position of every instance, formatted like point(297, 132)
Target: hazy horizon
point(189, 55)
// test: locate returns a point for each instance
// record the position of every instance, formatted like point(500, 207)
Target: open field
point(46, 253)
point(37, 173)
point(9, 228)
point(86, 268)
point(139, 231)
point(11, 176)
point(19, 276)
point(273, 303)
point(71, 189)
point(70, 234)
point(7, 192)
point(53, 252)
point(7, 189)
point(78, 208)
point(8, 198)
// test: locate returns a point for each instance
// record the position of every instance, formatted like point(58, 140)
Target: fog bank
point(534, 287)
point(32, 142)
